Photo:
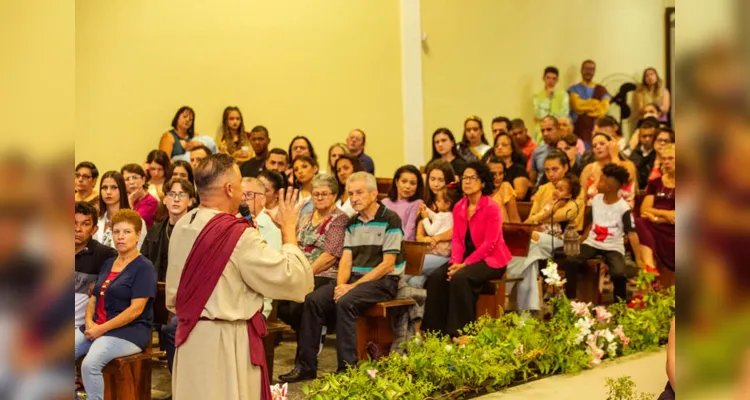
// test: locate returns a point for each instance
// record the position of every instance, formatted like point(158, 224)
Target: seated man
point(90, 255)
point(369, 270)
point(612, 219)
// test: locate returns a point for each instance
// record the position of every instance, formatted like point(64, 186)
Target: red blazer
point(486, 232)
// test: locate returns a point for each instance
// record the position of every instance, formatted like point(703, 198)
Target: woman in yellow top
point(233, 139)
point(504, 194)
point(650, 91)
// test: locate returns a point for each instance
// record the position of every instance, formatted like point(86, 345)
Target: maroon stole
point(203, 268)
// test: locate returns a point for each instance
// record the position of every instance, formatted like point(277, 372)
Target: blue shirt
point(136, 281)
point(367, 162)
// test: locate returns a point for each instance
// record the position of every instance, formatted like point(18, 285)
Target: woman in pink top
point(404, 198)
point(478, 254)
point(140, 200)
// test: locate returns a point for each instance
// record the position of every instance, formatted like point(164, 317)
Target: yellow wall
point(486, 57)
point(37, 44)
point(300, 68)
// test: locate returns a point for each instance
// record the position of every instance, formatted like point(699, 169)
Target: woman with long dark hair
point(178, 140)
point(505, 149)
point(113, 196)
point(345, 166)
point(233, 139)
point(444, 148)
point(474, 141)
point(157, 166)
point(304, 170)
point(405, 197)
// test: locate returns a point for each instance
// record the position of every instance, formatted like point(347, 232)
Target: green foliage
point(498, 353)
point(623, 388)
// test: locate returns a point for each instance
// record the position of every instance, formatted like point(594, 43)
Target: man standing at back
point(260, 140)
point(369, 270)
point(355, 141)
point(218, 273)
point(588, 102)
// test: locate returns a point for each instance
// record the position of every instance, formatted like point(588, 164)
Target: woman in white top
point(304, 170)
point(113, 197)
point(345, 166)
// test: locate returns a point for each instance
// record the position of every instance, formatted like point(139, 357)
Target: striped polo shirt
point(368, 241)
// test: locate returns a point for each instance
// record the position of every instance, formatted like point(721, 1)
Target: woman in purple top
point(404, 198)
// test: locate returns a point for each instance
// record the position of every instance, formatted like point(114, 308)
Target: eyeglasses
point(132, 178)
point(247, 195)
point(663, 141)
point(177, 195)
point(321, 195)
point(85, 177)
point(469, 178)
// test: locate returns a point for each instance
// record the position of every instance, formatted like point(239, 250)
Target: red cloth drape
point(203, 268)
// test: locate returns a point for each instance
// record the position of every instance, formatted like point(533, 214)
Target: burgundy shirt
point(147, 207)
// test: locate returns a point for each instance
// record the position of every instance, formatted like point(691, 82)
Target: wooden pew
point(129, 377)
point(492, 298)
point(524, 209)
point(375, 325)
point(384, 186)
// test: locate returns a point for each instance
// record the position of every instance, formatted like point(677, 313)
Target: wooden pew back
point(414, 254)
point(524, 209)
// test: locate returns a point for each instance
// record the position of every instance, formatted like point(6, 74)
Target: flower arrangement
point(278, 392)
point(495, 353)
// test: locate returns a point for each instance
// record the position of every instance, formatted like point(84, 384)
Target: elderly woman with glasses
point(320, 235)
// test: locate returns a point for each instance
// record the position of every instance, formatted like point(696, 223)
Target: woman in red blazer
point(478, 254)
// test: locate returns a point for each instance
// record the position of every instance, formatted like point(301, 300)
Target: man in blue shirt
point(356, 144)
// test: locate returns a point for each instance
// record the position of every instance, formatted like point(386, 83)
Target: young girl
point(404, 198)
point(564, 189)
point(436, 230)
point(233, 139)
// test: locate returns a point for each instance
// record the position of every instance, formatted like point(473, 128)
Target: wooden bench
point(384, 186)
point(374, 327)
point(492, 298)
point(129, 377)
point(275, 327)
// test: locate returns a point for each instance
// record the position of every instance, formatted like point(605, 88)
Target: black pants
point(166, 337)
point(319, 306)
point(291, 312)
point(614, 260)
point(450, 305)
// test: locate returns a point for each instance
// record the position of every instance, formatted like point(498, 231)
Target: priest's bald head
point(219, 183)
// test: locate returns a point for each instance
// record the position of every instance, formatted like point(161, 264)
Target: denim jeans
point(431, 263)
point(99, 353)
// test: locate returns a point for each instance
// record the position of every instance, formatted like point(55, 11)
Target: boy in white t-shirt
point(612, 219)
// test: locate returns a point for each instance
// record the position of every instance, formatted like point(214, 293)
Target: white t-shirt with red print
point(610, 224)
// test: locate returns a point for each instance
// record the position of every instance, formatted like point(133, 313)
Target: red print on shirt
point(601, 232)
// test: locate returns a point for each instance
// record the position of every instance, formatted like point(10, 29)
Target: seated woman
point(515, 165)
point(334, 152)
point(444, 148)
point(567, 144)
point(655, 226)
point(320, 236)
point(120, 310)
point(435, 229)
point(140, 200)
point(404, 198)
point(344, 167)
point(233, 139)
point(478, 254)
point(504, 195)
point(607, 151)
point(272, 181)
point(663, 138)
point(305, 168)
point(179, 139)
point(300, 146)
point(113, 197)
point(86, 176)
point(158, 165)
point(180, 169)
point(474, 144)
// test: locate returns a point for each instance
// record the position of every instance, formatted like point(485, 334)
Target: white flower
point(580, 308)
point(448, 347)
point(607, 334)
point(612, 350)
point(552, 277)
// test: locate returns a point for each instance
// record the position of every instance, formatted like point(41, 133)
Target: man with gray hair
point(218, 273)
point(369, 270)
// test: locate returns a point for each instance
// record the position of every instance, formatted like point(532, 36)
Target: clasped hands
point(453, 269)
point(93, 330)
point(341, 290)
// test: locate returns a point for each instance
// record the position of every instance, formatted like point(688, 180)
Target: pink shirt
point(486, 232)
point(147, 207)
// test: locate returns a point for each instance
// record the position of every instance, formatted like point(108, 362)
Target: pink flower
point(602, 314)
point(373, 373)
point(278, 392)
point(580, 308)
point(596, 357)
point(621, 335)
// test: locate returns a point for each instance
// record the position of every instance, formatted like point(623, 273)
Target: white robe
point(214, 363)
